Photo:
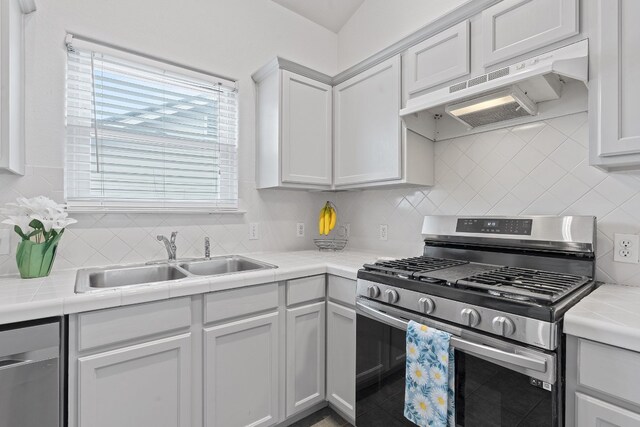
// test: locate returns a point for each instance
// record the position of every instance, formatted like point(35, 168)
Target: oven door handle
point(524, 361)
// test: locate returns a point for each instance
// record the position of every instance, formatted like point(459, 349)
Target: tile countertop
point(30, 299)
point(610, 315)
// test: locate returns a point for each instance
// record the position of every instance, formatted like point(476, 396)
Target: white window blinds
point(144, 135)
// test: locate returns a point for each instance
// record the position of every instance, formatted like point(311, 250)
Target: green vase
point(36, 259)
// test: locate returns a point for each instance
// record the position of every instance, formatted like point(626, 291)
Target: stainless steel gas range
point(500, 286)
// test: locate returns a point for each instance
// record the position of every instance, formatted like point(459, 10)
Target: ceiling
point(331, 14)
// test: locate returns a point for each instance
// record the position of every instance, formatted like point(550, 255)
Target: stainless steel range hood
point(506, 94)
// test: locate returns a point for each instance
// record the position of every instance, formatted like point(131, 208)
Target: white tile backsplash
point(103, 239)
point(537, 168)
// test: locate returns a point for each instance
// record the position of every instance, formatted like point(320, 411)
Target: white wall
point(230, 37)
point(539, 168)
point(380, 23)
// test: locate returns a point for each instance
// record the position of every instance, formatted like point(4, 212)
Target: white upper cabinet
point(371, 146)
point(614, 87)
point(306, 130)
point(515, 27)
point(367, 137)
point(294, 128)
point(439, 59)
point(12, 84)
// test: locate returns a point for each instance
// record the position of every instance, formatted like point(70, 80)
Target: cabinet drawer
point(115, 325)
point(342, 290)
point(240, 302)
point(305, 289)
point(610, 370)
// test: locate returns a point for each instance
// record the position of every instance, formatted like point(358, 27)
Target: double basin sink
point(91, 279)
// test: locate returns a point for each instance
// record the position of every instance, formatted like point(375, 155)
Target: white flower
point(412, 351)
point(437, 376)
point(21, 222)
point(42, 209)
point(439, 399)
point(418, 373)
point(423, 406)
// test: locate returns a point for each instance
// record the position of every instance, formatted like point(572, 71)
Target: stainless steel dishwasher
point(30, 372)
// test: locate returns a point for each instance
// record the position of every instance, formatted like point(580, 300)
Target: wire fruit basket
point(333, 244)
point(330, 244)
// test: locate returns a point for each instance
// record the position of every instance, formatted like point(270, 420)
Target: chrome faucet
point(170, 245)
point(207, 248)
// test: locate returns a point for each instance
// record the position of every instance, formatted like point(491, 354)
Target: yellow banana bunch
point(328, 218)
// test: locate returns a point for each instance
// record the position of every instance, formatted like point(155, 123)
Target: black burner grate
point(409, 266)
point(525, 284)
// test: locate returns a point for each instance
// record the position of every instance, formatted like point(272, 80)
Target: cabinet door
point(305, 357)
point(614, 87)
point(438, 59)
point(592, 412)
point(241, 373)
point(143, 385)
point(341, 358)
point(367, 126)
point(515, 27)
point(306, 130)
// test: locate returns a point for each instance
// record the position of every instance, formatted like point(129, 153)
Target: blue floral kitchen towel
point(429, 399)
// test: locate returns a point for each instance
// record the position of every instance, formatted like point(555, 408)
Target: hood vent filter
point(495, 107)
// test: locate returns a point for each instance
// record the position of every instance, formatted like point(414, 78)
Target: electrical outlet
point(382, 233)
point(625, 248)
point(300, 229)
point(254, 231)
point(5, 241)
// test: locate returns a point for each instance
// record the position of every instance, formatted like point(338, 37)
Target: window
point(144, 134)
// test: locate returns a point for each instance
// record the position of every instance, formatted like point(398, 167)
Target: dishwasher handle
point(6, 365)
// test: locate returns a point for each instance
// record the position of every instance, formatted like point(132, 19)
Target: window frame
point(106, 205)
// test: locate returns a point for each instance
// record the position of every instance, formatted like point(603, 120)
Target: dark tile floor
point(325, 417)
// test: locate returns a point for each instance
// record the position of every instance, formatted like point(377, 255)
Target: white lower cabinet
point(241, 373)
point(141, 385)
point(592, 412)
point(305, 357)
point(341, 358)
point(231, 358)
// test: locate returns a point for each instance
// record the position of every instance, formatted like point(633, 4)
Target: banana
point(333, 218)
point(321, 222)
point(327, 220)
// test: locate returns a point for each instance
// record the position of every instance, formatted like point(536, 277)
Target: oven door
point(497, 383)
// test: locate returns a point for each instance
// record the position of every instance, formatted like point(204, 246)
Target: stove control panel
point(496, 322)
point(518, 226)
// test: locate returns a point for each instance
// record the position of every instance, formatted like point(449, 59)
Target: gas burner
point(408, 268)
point(525, 284)
point(509, 296)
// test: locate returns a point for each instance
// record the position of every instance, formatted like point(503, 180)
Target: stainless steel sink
point(114, 277)
point(223, 265)
point(93, 279)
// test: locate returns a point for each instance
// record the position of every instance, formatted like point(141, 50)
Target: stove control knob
point(503, 326)
point(470, 317)
point(373, 291)
point(426, 305)
point(392, 296)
